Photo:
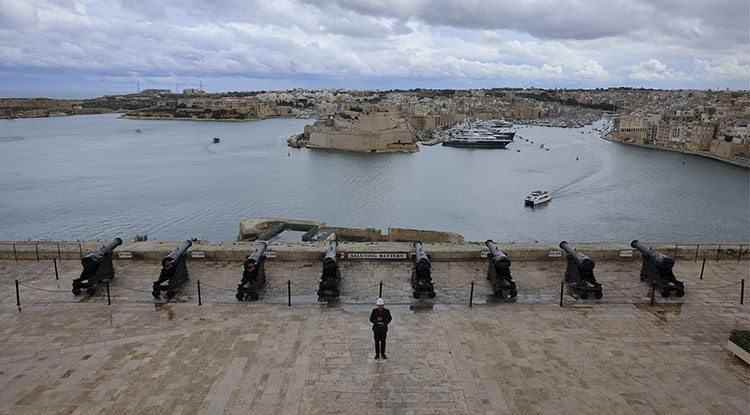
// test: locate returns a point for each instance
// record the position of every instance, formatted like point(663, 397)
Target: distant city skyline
point(97, 47)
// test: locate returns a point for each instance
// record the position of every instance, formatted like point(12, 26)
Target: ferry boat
point(537, 197)
point(217, 140)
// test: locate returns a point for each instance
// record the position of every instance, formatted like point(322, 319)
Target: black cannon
point(498, 272)
point(253, 275)
point(579, 274)
point(331, 276)
point(174, 271)
point(97, 267)
point(421, 281)
point(657, 268)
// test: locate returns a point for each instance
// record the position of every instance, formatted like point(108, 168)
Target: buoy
point(289, 153)
point(576, 157)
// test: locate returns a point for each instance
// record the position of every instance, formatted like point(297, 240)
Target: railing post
point(199, 292)
point(18, 296)
point(675, 252)
point(37, 251)
point(703, 267)
point(59, 256)
point(718, 252)
point(380, 293)
point(54, 261)
point(742, 292)
point(653, 291)
point(15, 255)
point(109, 301)
point(289, 291)
point(471, 295)
point(562, 290)
point(696, 252)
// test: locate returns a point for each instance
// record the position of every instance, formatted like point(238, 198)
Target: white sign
point(269, 254)
point(198, 254)
point(376, 255)
point(125, 254)
point(484, 254)
point(628, 253)
point(555, 254)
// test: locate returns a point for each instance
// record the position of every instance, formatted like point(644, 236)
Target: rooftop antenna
point(138, 86)
point(201, 88)
point(175, 88)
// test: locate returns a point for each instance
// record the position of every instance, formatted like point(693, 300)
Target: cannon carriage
point(579, 273)
point(331, 275)
point(498, 272)
point(657, 269)
point(253, 275)
point(97, 269)
point(421, 280)
point(174, 272)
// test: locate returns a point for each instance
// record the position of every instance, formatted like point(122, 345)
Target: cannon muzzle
point(583, 262)
point(255, 257)
point(498, 257)
point(330, 259)
point(175, 255)
point(95, 257)
point(657, 258)
point(421, 260)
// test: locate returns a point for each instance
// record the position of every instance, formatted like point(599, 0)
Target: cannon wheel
point(665, 293)
point(91, 291)
point(680, 292)
point(431, 294)
point(170, 293)
point(254, 296)
point(513, 293)
point(76, 291)
point(416, 295)
point(156, 294)
point(240, 296)
point(584, 295)
point(598, 295)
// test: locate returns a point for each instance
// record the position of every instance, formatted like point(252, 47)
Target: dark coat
point(380, 320)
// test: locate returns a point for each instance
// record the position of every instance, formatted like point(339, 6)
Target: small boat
point(537, 197)
point(217, 140)
point(138, 131)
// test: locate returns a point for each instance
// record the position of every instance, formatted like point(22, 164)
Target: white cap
point(380, 301)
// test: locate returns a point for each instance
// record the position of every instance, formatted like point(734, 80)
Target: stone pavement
point(61, 353)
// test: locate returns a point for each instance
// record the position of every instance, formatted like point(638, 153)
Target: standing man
point(380, 317)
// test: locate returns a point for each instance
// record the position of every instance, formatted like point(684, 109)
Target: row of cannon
point(579, 272)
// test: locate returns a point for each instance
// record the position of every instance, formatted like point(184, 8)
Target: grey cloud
point(17, 15)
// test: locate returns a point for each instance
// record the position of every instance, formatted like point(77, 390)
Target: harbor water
point(100, 176)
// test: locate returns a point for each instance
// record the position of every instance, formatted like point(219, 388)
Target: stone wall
point(310, 251)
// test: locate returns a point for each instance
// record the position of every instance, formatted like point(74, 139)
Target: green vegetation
point(546, 96)
point(741, 338)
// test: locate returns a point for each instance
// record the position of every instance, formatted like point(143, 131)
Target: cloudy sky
point(106, 45)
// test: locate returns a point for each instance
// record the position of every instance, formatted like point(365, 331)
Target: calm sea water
point(95, 177)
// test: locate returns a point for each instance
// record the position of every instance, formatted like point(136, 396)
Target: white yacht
point(537, 197)
point(476, 135)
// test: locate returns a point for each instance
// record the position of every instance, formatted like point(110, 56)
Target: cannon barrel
point(498, 257)
point(95, 257)
point(660, 260)
point(330, 259)
point(177, 253)
point(419, 255)
point(255, 257)
point(583, 262)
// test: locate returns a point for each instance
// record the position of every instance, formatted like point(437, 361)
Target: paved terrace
point(61, 353)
